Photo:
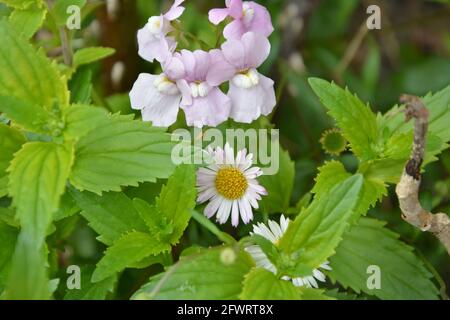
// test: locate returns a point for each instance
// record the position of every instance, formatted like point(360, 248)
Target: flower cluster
point(191, 80)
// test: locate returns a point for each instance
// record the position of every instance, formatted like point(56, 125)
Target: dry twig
point(408, 188)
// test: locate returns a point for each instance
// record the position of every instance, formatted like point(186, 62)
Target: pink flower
point(204, 104)
point(152, 40)
point(158, 96)
point(248, 16)
point(251, 93)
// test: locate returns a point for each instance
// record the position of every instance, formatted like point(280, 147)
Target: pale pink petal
point(208, 111)
point(216, 16)
point(173, 67)
point(249, 104)
point(159, 108)
point(261, 22)
point(183, 86)
point(257, 49)
point(234, 30)
point(234, 52)
point(220, 72)
point(175, 11)
point(235, 8)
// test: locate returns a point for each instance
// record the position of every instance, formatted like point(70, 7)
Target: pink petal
point(257, 49)
point(161, 109)
point(234, 30)
point(216, 16)
point(220, 70)
point(151, 48)
point(208, 111)
point(175, 11)
point(235, 8)
point(174, 68)
point(250, 104)
point(262, 22)
point(234, 52)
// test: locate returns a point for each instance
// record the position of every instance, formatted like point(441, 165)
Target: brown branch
point(408, 188)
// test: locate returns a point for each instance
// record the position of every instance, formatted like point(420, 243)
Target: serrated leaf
point(169, 216)
point(177, 199)
point(279, 186)
point(351, 115)
point(92, 54)
point(121, 152)
point(334, 172)
point(27, 74)
point(11, 141)
point(28, 21)
point(318, 230)
point(81, 119)
point(38, 176)
point(110, 215)
point(127, 250)
point(261, 284)
point(203, 275)
point(403, 275)
point(90, 290)
point(31, 117)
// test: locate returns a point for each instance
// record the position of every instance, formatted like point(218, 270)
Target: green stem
point(222, 236)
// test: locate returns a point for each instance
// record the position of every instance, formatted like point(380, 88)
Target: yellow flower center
point(231, 183)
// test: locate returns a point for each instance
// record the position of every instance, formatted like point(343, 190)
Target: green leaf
point(28, 21)
point(333, 172)
point(38, 176)
point(28, 74)
point(403, 275)
point(261, 284)
point(30, 116)
point(81, 86)
point(11, 141)
point(89, 55)
point(399, 133)
point(59, 10)
point(213, 274)
point(314, 294)
point(27, 279)
point(8, 238)
point(318, 230)
point(111, 215)
point(121, 152)
point(81, 119)
point(20, 4)
point(351, 115)
point(127, 250)
point(279, 186)
point(90, 290)
point(177, 199)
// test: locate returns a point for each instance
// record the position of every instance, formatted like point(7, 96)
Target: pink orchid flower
point(248, 16)
point(204, 104)
point(158, 96)
point(251, 93)
point(152, 39)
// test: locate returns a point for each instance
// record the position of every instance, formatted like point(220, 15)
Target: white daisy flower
point(273, 233)
point(229, 184)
